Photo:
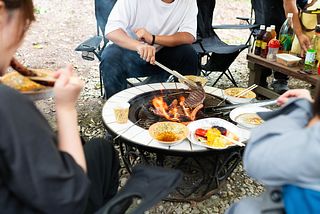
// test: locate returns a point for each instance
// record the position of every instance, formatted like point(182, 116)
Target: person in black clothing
point(274, 13)
point(41, 172)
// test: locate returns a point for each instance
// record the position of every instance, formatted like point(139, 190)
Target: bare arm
point(179, 38)
point(176, 39)
point(66, 95)
point(121, 38)
point(291, 7)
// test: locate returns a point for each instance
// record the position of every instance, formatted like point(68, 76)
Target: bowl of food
point(246, 117)
point(235, 95)
point(216, 133)
point(201, 80)
point(168, 132)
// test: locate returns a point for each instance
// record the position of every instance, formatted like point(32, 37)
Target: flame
point(173, 112)
point(162, 107)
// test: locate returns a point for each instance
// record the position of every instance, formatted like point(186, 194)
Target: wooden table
point(256, 64)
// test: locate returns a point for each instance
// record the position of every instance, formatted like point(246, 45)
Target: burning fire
point(177, 111)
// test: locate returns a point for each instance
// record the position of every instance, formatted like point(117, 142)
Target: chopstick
point(52, 80)
point(241, 93)
point(233, 141)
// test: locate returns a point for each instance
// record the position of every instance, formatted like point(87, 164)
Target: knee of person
point(189, 51)
point(110, 57)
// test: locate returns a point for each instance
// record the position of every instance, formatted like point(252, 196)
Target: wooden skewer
point(246, 90)
point(233, 141)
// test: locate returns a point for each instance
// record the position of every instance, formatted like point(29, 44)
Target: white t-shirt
point(156, 16)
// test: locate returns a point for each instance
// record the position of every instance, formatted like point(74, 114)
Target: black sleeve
point(38, 174)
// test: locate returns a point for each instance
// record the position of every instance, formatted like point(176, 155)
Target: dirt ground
point(50, 43)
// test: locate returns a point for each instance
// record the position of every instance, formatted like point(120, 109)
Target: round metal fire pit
point(204, 169)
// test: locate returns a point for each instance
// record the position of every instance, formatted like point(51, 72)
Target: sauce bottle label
point(263, 45)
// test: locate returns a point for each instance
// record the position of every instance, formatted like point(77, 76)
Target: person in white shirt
point(142, 31)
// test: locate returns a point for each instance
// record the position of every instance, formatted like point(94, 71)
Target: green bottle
point(310, 60)
point(286, 35)
point(312, 54)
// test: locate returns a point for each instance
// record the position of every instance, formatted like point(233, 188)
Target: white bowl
point(230, 93)
point(235, 113)
point(168, 132)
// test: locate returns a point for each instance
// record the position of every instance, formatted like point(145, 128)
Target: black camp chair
point(96, 44)
point(220, 55)
point(268, 13)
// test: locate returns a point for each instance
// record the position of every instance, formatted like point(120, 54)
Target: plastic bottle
point(312, 55)
point(273, 47)
point(317, 42)
point(310, 59)
point(264, 44)
point(273, 31)
point(286, 34)
point(257, 49)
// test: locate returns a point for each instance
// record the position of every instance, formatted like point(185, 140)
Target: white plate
point(208, 123)
point(243, 110)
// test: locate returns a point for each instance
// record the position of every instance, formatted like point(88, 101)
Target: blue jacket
point(284, 152)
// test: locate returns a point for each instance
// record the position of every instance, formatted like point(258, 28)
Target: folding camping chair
point(220, 55)
point(95, 45)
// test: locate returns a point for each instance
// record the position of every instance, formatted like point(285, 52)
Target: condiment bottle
point(257, 49)
point(264, 44)
point(273, 47)
point(273, 31)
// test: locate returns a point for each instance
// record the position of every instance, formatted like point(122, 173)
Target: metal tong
point(229, 107)
point(197, 95)
point(178, 75)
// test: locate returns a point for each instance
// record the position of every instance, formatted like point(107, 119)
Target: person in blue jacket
point(284, 154)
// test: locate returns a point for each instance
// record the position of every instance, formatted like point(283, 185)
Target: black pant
point(118, 64)
point(277, 75)
point(103, 167)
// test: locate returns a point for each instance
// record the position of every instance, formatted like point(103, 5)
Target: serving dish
point(194, 78)
point(236, 133)
point(230, 94)
point(246, 117)
point(35, 90)
point(168, 132)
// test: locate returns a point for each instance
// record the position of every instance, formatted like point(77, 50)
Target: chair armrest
point(245, 18)
point(237, 27)
point(90, 45)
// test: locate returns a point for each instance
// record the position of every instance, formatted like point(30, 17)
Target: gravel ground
point(62, 25)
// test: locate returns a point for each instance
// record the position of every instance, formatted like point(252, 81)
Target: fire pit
point(204, 169)
point(166, 105)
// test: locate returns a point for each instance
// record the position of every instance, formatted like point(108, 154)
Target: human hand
point(147, 52)
point(67, 88)
point(304, 42)
point(143, 35)
point(294, 93)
